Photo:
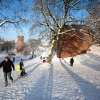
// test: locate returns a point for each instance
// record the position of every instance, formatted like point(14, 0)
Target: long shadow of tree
point(42, 90)
point(34, 68)
point(93, 61)
point(50, 84)
point(89, 91)
point(30, 65)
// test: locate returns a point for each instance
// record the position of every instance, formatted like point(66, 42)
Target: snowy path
point(75, 83)
point(56, 82)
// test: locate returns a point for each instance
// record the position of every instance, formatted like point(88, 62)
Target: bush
point(84, 52)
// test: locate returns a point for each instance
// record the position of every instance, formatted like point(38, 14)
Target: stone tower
point(21, 38)
point(20, 44)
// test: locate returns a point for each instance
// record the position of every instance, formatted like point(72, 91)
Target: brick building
point(20, 44)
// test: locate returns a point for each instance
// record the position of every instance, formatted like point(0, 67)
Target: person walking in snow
point(71, 61)
point(13, 59)
point(21, 64)
point(7, 65)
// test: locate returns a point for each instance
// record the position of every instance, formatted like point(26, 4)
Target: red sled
point(89, 49)
point(44, 61)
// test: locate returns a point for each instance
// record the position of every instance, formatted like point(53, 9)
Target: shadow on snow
point(43, 87)
point(89, 91)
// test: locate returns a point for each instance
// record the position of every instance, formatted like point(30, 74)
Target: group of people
point(8, 65)
point(23, 73)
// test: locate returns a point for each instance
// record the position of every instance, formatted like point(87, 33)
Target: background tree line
point(49, 16)
point(6, 46)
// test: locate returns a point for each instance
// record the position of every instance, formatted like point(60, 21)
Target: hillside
point(59, 81)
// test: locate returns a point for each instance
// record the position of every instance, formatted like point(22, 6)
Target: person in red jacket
point(7, 65)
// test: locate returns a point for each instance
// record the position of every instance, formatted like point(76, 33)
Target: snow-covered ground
point(59, 81)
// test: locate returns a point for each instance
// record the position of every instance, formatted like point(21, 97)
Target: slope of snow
point(59, 81)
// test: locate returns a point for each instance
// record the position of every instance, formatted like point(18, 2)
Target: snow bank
point(59, 81)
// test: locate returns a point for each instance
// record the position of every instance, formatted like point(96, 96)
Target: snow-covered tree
point(33, 44)
point(12, 12)
point(52, 15)
point(93, 20)
point(7, 45)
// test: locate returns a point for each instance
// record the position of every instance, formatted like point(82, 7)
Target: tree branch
point(46, 17)
point(8, 21)
point(52, 15)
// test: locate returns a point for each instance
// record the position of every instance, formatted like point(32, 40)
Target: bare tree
point(7, 46)
point(93, 20)
point(13, 12)
point(1, 43)
point(54, 14)
point(33, 44)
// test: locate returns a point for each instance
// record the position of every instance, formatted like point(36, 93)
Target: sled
point(89, 49)
point(22, 76)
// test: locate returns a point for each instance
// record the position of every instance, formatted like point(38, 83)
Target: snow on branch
point(8, 21)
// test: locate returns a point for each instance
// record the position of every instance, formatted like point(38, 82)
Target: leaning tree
point(52, 15)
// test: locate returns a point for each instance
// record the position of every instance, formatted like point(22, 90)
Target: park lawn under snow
point(59, 81)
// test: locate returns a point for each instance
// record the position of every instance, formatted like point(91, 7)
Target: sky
point(12, 33)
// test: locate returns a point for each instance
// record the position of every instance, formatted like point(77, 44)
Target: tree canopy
point(14, 12)
point(53, 14)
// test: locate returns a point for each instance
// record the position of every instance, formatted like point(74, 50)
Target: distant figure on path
point(71, 61)
point(21, 64)
point(13, 59)
point(7, 65)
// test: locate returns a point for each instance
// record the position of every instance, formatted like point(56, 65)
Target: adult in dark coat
point(7, 65)
point(71, 61)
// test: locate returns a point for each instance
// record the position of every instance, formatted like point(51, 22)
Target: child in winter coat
point(23, 73)
point(21, 64)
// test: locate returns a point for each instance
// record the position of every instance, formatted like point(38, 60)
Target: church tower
point(20, 44)
point(21, 38)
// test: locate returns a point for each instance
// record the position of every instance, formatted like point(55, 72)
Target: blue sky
point(12, 33)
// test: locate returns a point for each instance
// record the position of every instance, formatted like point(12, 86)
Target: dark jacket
point(21, 64)
point(22, 73)
point(7, 66)
point(71, 60)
